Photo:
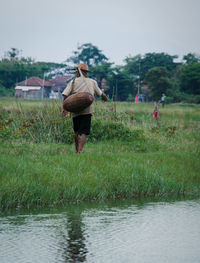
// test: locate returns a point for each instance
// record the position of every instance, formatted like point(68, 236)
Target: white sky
point(49, 30)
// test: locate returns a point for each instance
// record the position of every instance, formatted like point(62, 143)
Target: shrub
point(6, 92)
point(107, 130)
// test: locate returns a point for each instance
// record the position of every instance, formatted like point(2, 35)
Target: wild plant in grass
point(50, 172)
point(42, 122)
point(46, 124)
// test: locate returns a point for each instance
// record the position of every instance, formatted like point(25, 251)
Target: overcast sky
point(49, 30)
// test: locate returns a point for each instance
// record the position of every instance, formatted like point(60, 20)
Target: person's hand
point(103, 97)
point(64, 112)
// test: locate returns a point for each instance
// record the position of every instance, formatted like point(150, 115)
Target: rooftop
point(35, 81)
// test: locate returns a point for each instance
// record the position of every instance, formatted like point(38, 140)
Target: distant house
point(145, 87)
point(37, 88)
point(33, 88)
point(59, 83)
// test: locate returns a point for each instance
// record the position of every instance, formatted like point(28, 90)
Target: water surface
point(126, 231)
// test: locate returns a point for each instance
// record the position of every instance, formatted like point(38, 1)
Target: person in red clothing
point(136, 98)
point(156, 113)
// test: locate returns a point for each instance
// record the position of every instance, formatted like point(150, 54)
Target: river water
point(121, 231)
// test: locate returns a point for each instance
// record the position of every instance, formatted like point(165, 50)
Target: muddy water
point(125, 231)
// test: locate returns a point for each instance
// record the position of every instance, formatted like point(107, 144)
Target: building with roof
point(37, 88)
point(33, 88)
point(59, 83)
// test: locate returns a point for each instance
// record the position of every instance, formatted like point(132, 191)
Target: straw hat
point(83, 67)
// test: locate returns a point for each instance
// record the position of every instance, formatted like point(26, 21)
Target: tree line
point(160, 72)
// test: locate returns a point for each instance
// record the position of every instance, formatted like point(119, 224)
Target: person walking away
point(82, 119)
point(163, 100)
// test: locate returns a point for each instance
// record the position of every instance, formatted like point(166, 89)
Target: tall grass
point(50, 174)
point(177, 127)
point(127, 154)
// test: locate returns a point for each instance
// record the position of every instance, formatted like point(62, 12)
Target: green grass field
point(127, 155)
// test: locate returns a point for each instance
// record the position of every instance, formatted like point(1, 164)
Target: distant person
point(156, 112)
point(136, 98)
point(163, 100)
point(140, 98)
point(82, 120)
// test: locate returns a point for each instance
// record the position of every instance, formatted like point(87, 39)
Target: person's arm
point(104, 97)
point(100, 92)
point(64, 112)
point(66, 93)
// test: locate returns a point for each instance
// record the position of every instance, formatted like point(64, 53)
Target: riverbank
point(127, 154)
point(50, 174)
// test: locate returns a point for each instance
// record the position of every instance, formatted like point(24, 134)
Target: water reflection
point(118, 231)
point(72, 238)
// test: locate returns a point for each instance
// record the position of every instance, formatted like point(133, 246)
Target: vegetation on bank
point(127, 154)
point(49, 174)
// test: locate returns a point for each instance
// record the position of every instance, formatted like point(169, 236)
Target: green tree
point(3, 91)
point(13, 53)
point(191, 58)
point(121, 84)
point(102, 71)
point(118, 79)
point(158, 81)
point(88, 54)
point(14, 69)
point(139, 66)
point(134, 66)
point(190, 79)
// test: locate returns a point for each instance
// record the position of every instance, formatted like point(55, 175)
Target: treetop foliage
point(88, 54)
point(160, 71)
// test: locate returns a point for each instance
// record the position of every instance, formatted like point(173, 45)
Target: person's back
point(83, 84)
point(82, 119)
